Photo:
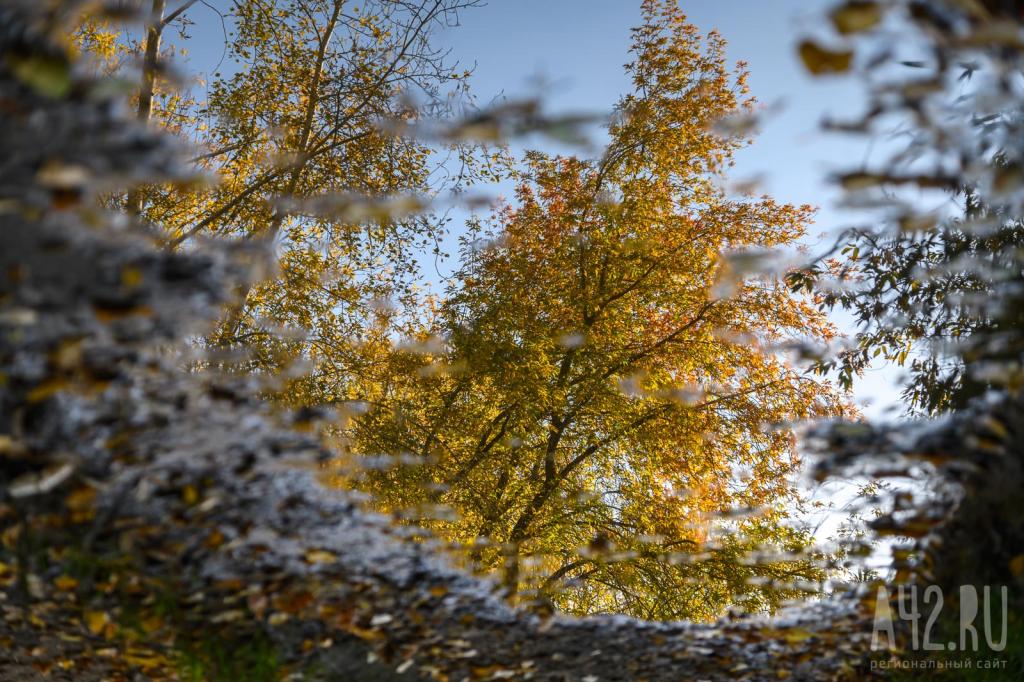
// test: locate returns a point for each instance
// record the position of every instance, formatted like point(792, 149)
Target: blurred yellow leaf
point(65, 583)
point(80, 498)
point(131, 277)
point(10, 447)
point(856, 16)
point(144, 658)
point(152, 624)
point(797, 635)
point(96, 621)
point(190, 494)
point(215, 539)
point(320, 556)
point(46, 389)
point(820, 61)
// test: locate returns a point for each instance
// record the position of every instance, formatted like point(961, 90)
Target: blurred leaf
point(820, 61)
point(320, 556)
point(856, 16)
point(49, 76)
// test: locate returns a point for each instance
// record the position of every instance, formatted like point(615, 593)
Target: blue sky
point(579, 46)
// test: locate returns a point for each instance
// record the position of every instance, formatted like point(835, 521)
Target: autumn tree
point(599, 390)
point(934, 284)
point(295, 132)
point(922, 300)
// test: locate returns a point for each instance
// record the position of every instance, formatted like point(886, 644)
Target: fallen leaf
point(66, 583)
point(320, 556)
point(96, 621)
point(796, 635)
point(30, 484)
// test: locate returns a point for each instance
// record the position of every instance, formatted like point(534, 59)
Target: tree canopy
point(293, 149)
point(603, 385)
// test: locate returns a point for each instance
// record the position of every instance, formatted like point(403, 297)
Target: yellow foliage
point(610, 404)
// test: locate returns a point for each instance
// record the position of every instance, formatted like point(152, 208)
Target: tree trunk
point(150, 63)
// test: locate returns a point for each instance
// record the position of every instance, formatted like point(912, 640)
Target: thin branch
point(176, 13)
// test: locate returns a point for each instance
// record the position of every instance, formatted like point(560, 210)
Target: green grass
point(209, 658)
